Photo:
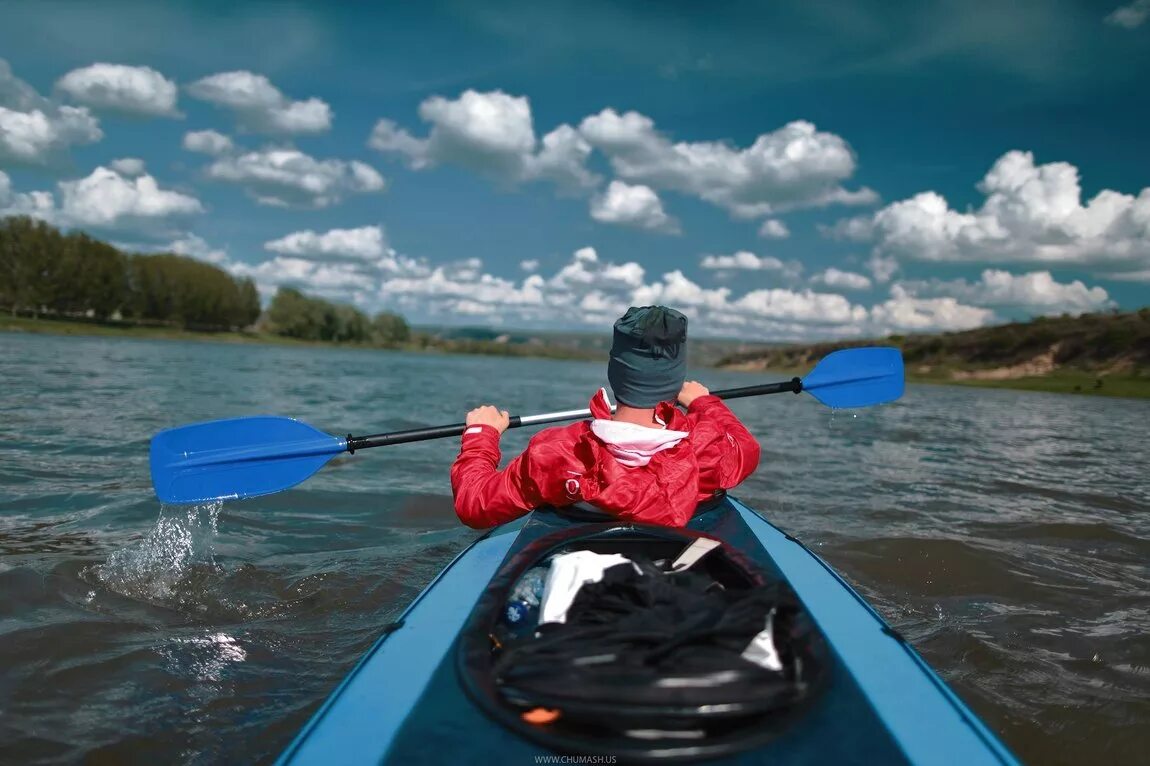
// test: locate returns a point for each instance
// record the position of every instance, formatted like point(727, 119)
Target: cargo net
point(657, 647)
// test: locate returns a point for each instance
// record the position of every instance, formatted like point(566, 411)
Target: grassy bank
point(145, 332)
point(1105, 354)
point(1057, 382)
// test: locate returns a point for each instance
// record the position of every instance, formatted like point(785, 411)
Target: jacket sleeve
point(484, 495)
point(726, 450)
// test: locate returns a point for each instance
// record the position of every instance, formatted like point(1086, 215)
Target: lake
point(1006, 534)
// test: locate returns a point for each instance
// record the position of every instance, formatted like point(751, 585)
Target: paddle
point(253, 456)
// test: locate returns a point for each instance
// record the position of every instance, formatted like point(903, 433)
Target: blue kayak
point(430, 689)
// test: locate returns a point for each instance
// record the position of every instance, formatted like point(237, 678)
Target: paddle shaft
point(355, 443)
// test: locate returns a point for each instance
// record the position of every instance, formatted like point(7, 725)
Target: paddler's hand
point(487, 415)
point(691, 391)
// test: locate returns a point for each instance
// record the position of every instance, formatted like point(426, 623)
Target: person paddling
point(649, 462)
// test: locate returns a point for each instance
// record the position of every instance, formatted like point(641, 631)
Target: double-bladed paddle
point(253, 456)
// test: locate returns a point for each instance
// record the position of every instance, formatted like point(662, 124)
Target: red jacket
point(566, 464)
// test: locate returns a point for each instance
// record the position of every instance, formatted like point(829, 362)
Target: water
point(1006, 534)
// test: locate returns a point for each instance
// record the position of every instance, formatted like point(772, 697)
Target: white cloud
point(128, 166)
point(804, 306)
point(364, 243)
point(347, 265)
point(107, 200)
point(587, 291)
point(636, 206)
point(35, 130)
point(1131, 276)
point(195, 247)
point(290, 178)
point(773, 228)
point(904, 312)
point(1038, 292)
point(881, 267)
point(1031, 214)
point(676, 290)
point(133, 90)
point(843, 280)
point(586, 272)
point(531, 265)
point(37, 204)
point(742, 260)
point(562, 158)
point(792, 167)
point(1130, 16)
point(208, 142)
point(261, 107)
point(492, 134)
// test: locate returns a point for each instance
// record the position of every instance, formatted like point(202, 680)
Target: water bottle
point(529, 589)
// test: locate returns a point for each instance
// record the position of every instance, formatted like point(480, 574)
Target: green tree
point(388, 329)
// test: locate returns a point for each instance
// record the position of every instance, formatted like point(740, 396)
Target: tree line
point(296, 315)
point(45, 272)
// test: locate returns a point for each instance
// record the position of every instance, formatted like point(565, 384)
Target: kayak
point(429, 691)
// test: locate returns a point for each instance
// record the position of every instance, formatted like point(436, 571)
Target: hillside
point(1093, 353)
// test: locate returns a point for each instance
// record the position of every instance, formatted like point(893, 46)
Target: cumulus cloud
point(804, 306)
point(37, 204)
point(290, 178)
point(844, 280)
point(261, 107)
point(133, 90)
point(531, 265)
point(347, 265)
point(493, 134)
point(586, 271)
point(587, 291)
point(882, 267)
point(208, 142)
point(195, 246)
point(905, 313)
point(793, 167)
point(1038, 292)
point(1031, 214)
point(773, 228)
point(35, 130)
point(742, 260)
point(128, 166)
point(1131, 15)
point(637, 206)
point(105, 201)
point(364, 243)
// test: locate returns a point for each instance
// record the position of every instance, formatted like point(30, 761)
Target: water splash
point(182, 542)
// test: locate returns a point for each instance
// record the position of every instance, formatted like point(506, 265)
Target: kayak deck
point(404, 701)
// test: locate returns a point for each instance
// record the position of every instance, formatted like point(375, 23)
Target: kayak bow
point(411, 697)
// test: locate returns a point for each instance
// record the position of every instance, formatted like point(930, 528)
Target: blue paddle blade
point(857, 377)
point(237, 458)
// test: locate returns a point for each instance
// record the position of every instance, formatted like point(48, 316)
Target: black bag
point(656, 648)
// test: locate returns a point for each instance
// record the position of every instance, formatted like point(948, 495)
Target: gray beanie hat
point(648, 356)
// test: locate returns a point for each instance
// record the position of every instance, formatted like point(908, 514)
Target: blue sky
point(778, 171)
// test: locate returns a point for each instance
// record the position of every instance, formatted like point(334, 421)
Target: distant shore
point(146, 332)
point(1064, 381)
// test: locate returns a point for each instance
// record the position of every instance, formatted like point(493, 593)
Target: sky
point(777, 171)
